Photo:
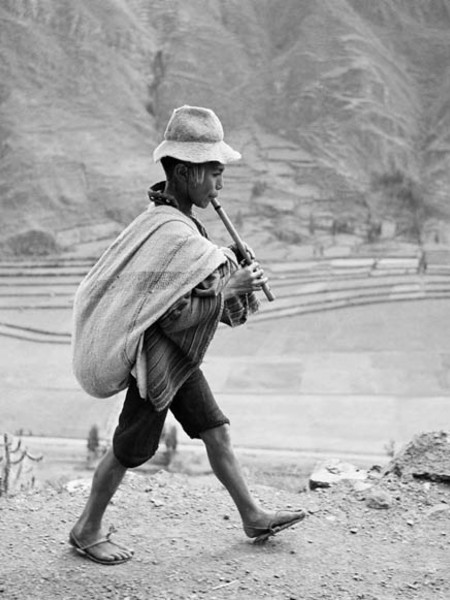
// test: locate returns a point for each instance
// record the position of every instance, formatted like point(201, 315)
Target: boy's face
point(201, 193)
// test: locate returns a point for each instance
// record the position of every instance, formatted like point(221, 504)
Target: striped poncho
point(122, 324)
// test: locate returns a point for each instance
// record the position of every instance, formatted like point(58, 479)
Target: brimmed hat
point(195, 134)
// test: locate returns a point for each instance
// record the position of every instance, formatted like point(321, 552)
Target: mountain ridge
point(340, 107)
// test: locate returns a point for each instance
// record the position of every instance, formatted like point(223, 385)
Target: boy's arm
point(216, 282)
point(237, 305)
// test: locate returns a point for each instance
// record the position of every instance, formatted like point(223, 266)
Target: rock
point(78, 485)
point(333, 471)
point(378, 499)
point(427, 456)
point(361, 486)
point(437, 510)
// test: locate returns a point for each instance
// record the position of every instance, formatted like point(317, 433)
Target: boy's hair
point(197, 171)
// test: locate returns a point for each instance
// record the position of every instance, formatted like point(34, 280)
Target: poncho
point(159, 258)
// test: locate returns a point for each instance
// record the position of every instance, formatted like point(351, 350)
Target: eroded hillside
point(340, 108)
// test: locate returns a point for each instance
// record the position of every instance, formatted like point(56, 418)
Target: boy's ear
point(181, 172)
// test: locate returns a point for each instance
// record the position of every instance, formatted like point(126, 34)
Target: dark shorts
point(137, 435)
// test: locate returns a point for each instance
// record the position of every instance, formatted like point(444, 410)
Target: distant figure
point(318, 250)
point(422, 266)
point(143, 319)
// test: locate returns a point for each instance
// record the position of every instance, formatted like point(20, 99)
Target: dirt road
point(189, 543)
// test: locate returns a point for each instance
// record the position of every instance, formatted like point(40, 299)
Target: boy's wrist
point(240, 257)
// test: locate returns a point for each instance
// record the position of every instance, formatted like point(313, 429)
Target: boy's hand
point(246, 279)
point(243, 259)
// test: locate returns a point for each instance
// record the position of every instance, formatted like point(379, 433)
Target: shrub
point(258, 189)
point(93, 441)
point(34, 242)
point(405, 194)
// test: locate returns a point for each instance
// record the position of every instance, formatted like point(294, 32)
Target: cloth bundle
point(156, 261)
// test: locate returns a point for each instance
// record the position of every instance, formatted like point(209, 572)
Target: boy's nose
point(219, 183)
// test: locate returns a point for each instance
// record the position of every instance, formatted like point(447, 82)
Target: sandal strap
point(272, 526)
point(102, 540)
point(96, 543)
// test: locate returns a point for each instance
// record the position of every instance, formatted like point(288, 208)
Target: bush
point(405, 194)
point(34, 242)
point(93, 441)
point(258, 189)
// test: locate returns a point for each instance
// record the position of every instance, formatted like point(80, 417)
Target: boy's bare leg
point(227, 469)
point(88, 528)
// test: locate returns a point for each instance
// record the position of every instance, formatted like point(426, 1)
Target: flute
point(239, 243)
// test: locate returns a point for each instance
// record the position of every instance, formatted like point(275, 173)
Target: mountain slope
point(340, 107)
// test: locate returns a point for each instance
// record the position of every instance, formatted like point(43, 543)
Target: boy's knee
point(217, 437)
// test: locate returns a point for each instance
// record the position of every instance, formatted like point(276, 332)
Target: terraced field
point(36, 297)
point(353, 354)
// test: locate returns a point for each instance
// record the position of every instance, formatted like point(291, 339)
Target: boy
point(144, 317)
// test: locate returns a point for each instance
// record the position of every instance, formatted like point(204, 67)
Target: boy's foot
point(271, 524)
point(100, 549)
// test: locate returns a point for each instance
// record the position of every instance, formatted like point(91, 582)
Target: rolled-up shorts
point(137, 435)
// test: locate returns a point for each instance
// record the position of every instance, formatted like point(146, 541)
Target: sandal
point(261, 534)
point(84, 549)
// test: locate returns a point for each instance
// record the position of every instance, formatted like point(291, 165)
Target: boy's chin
point(203, 203)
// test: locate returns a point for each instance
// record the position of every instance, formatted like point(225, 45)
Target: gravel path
point(385, 539)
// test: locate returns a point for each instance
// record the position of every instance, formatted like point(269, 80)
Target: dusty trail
point(189, 544)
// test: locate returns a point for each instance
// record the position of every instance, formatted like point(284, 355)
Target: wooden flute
point(239, 243)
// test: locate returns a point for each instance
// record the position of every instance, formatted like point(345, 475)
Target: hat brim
point(196, 152)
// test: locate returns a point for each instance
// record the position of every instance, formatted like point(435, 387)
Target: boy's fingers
point(257, 273)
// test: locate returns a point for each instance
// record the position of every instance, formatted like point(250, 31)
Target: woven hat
point(195, 134)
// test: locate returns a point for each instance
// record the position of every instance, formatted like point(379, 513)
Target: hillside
point(340, 108)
